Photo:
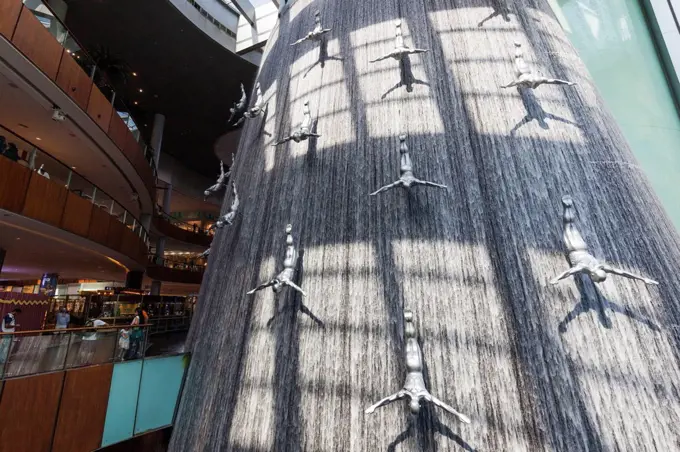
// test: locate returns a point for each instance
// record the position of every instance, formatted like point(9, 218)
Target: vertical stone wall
point(571, 367)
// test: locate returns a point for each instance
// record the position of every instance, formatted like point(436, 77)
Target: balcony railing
point(185, 226)
point(29, 155)
point(67, 40)
point(193, 265)
point(33, 352)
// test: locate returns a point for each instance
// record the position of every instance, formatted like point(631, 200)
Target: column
point(133, 279)
point(157, 136)
point(155, 287)
point(575, 366)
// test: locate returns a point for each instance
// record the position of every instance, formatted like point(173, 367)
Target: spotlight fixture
point(141, 90)
point(134, 74)
point(38, 138)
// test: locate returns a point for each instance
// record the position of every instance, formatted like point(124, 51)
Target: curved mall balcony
point(165, 225)
point(175, 270)
point(46, 57)
point(60, 199)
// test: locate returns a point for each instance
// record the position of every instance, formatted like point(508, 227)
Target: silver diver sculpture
point(400, 50)
point(258, 108)
point(317, 33)
point(414, 386)
point(526, 77)
point(406, 180)
point(228, 218)
point(304, 131)
point(579, 258)
point(220, 184)
point(285, 278)
point(239, 109)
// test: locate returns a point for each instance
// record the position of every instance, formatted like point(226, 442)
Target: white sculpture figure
point(220, 184)
point(239, 109)
point(414, 387)
point(258, 108)
point(316, 34)
point(580, 259)
point(304, 131)
point(406, 180)
point(205, 253)
point(285, 278)
point(228, 218)
point(526, 77)
point(400, 50)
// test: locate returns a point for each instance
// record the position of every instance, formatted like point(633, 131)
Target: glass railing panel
point(33, 354)
point(159, 391)
point(43, 13)
point(95, 346)
point(84, 60)
point(49, 167)
point(122, 406)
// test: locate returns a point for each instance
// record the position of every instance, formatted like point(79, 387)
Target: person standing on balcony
point(63, 319)
point(9, 324)
point(135, 335)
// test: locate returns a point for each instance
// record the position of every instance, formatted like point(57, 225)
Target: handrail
point(69, 330)
point(71, 184)
point(92, 71)
point(179, 265)
point(185, 226)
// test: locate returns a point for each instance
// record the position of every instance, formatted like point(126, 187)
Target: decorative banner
point(33, 308)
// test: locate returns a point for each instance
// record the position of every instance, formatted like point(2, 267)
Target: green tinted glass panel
point(613, 39)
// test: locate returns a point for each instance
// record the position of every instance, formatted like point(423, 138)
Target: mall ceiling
point(181, 72)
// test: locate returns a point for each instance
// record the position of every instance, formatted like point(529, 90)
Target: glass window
point(614, 41)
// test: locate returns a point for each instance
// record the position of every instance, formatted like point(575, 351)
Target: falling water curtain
point(570, 367)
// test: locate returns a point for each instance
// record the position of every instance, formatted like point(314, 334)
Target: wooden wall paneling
point(132, 149)
point(114, 238)
point(99, 108)
point(36, 42)
point(99, 226)
point(14, 180)
point(74, 81)
point(129, 245)
point(28, 411)
point(118, 131)
point(77, 215)
point(45, 200)
point(83, 409)
point(9, 16)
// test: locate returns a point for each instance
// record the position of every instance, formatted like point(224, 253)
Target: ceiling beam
point(246, 9)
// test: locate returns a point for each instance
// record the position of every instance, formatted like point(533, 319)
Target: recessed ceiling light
point(141, 90)
point(73, 167)
point(38, 138)
point(136, 103)
point(18, 238)
point(134, 74)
